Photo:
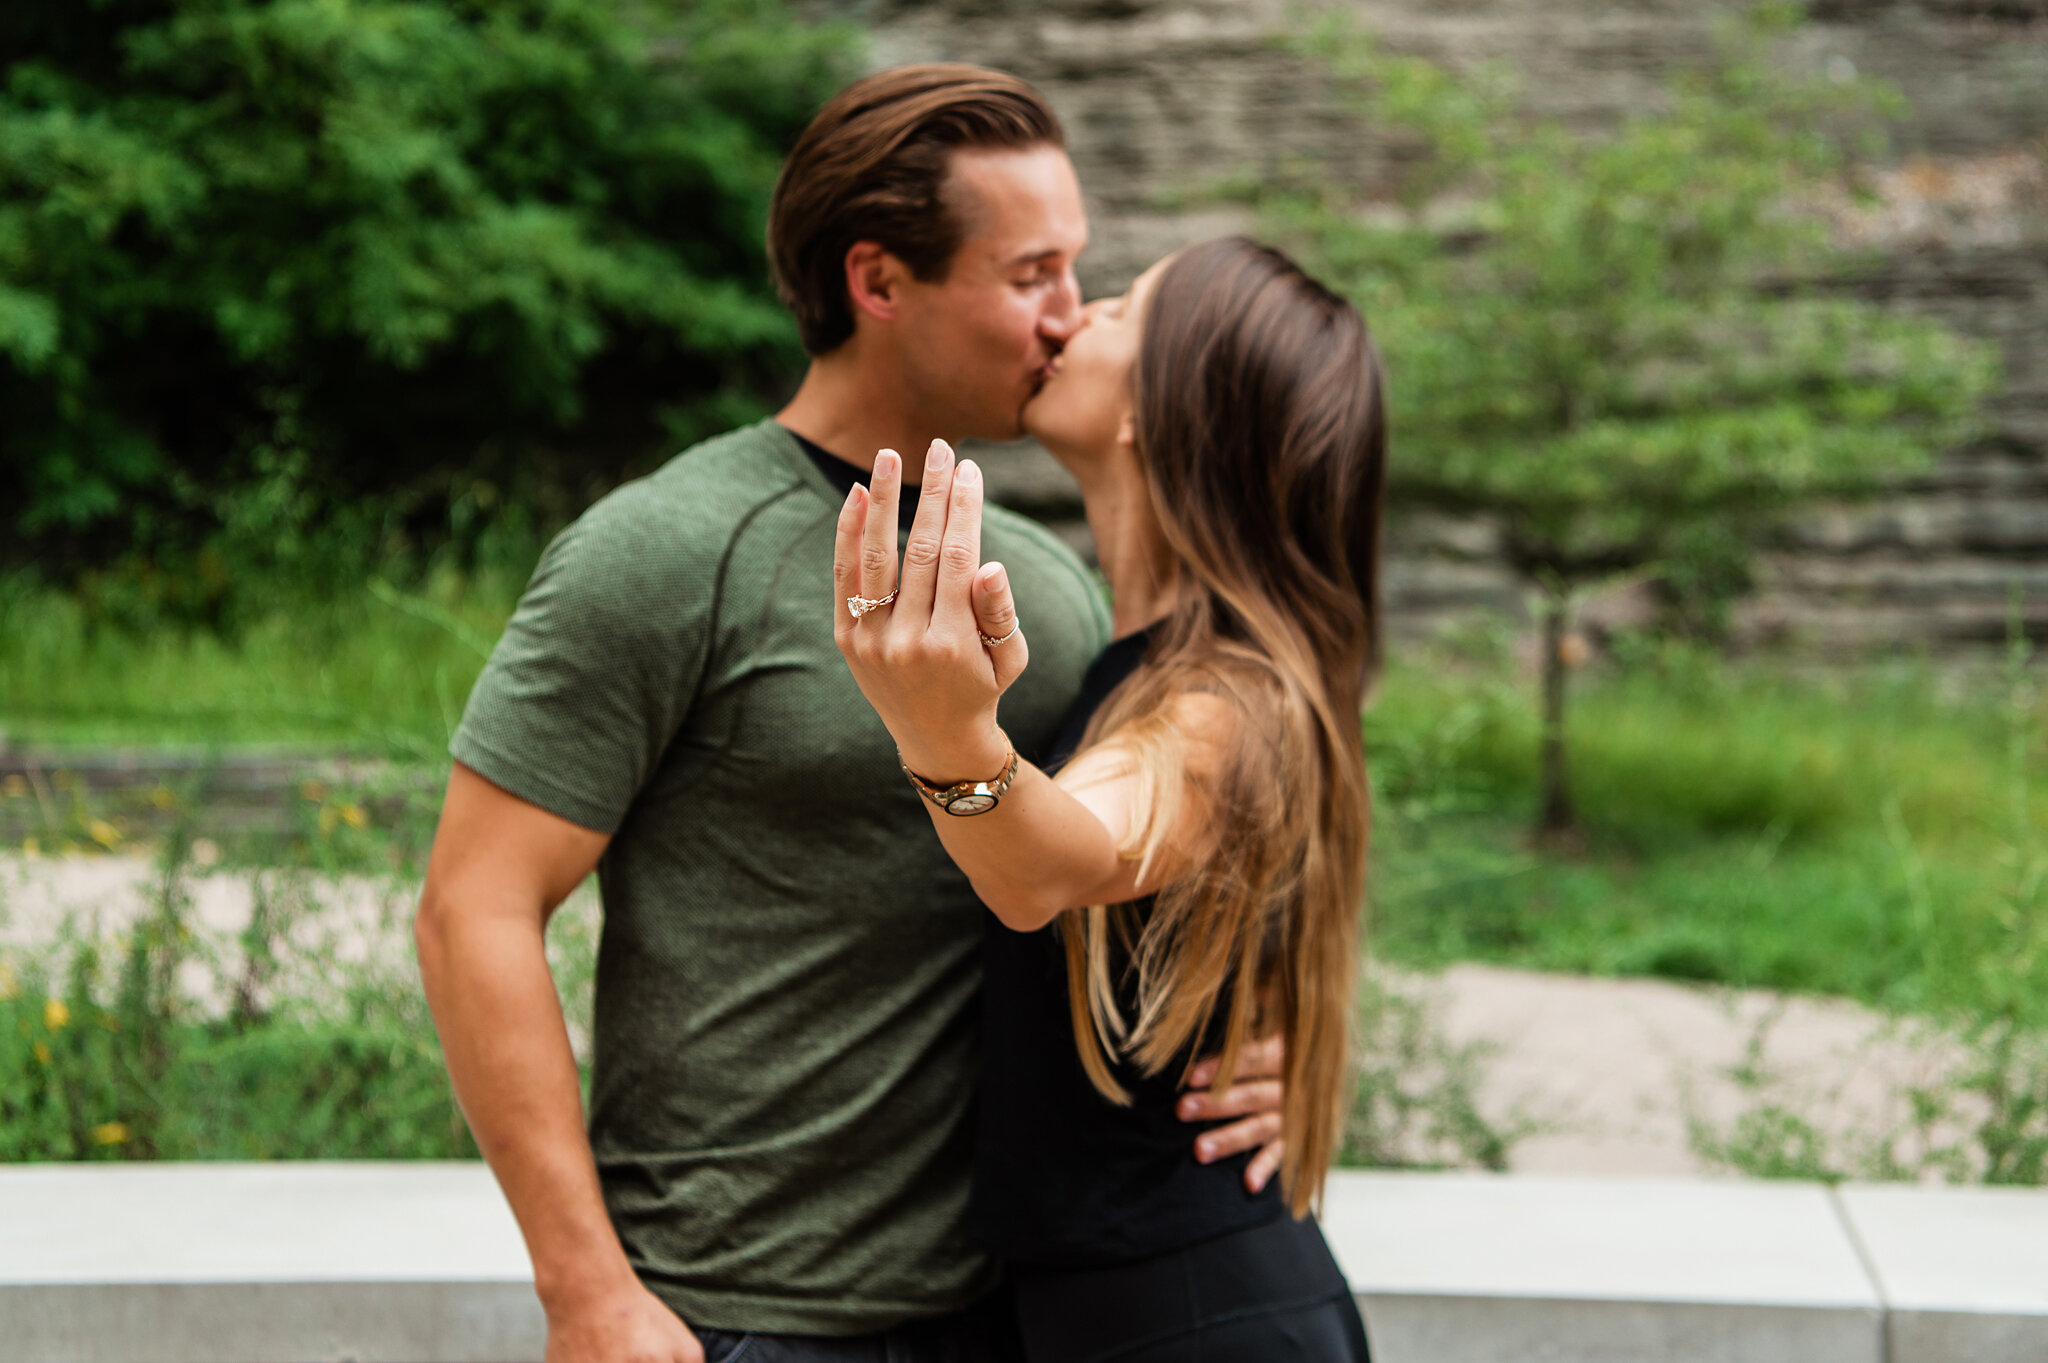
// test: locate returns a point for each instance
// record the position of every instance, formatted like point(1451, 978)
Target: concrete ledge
point(1457, 1267)
point(1965, 1270)
point(421, 1263)
point(262, 1263)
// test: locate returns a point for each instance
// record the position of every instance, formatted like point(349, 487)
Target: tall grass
point(1873, 831)
point(376, 669)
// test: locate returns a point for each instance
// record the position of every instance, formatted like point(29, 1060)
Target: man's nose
point(1063, 314)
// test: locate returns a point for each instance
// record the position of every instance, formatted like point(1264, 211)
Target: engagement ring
point(857, 606)
point(988, 641)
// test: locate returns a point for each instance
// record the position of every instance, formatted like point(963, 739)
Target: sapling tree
point(1623, 343)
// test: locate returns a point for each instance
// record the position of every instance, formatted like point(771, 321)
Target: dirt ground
point(1609, 1073)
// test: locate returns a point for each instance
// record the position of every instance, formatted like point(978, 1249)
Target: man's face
point(976, 344)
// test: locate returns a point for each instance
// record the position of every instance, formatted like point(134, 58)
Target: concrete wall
point(422, 1263)
point(1164, 96)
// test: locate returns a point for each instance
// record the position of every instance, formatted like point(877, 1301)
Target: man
point(785, 1033)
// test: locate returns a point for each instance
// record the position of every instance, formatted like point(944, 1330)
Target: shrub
point(286, 285)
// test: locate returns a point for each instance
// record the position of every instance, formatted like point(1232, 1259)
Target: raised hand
point(919, 656)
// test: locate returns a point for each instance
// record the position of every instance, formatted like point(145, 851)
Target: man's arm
point(499, 869)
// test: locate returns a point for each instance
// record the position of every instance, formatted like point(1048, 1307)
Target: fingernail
point(938, 456)
point(886, 462)
point(968, 472)
point(1190, 1106)
point(997, 578)
point(851, 494)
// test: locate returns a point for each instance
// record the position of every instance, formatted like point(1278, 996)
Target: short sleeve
point(599, 664)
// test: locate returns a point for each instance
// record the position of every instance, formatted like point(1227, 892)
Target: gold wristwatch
point(968, 797)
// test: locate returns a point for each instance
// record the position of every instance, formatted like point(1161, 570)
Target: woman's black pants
point(1271, 1294)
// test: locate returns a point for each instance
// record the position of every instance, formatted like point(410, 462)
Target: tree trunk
point(1556, 819)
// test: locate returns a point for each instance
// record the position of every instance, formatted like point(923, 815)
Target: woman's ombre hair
point(1260, 422)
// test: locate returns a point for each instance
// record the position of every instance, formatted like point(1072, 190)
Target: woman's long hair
point(1260, 424)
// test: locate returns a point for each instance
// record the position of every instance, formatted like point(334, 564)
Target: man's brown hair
point(872, 167)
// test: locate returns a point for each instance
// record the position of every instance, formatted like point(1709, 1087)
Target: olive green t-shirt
point(786, 1025)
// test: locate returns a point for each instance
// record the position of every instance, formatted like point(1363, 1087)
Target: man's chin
point(1025, 413)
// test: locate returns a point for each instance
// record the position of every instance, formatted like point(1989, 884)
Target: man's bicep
point(498, 853)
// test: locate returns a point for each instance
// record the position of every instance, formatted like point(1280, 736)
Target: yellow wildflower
point(104, 833)
point(110, 1133)
point(56, 1016)
point(329, 817)
point(162, 798)
point(353, 816)
point(43, 1051)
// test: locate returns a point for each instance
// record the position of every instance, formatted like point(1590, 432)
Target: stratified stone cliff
point(1166, 98)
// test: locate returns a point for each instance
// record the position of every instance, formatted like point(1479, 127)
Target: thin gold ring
point(857, 606)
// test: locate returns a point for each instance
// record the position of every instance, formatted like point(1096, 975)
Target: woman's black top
point(1062, 1176)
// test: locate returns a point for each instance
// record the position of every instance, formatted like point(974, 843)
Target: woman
point(1200, 854)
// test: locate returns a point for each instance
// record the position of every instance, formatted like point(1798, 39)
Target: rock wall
point(1165, 97)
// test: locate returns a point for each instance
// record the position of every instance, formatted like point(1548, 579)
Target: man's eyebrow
point(1034, 257)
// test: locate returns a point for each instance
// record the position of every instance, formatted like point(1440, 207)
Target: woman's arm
point(1049, 845)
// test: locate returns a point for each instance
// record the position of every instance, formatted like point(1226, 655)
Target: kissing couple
point(978, 955)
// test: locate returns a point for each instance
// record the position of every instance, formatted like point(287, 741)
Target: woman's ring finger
point(990, 641)
point(857, 606)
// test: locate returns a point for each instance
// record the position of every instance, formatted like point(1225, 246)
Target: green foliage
point(118, 1063)
point(1623, 345)
point(109, 1050)
point(1415, 1093)
point(290, 285)
point(1608, 339)
point(1982, 1119)
point(1875, 833)
point(374, 670)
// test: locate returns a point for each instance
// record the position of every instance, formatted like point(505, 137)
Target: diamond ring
point(857, 606)
point(989, 641)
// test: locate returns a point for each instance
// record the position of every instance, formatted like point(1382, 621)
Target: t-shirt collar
point(843, 474)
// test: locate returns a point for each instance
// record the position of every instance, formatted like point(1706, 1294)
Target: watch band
point(965, 798)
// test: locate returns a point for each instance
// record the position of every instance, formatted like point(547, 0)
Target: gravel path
point(1609, 1072)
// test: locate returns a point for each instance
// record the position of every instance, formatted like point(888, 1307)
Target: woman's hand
point(920, 660)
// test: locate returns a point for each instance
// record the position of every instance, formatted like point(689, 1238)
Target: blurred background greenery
point(288, 290)
point(318, 318)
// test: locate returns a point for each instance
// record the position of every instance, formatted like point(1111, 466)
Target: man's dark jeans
point(984, 1334)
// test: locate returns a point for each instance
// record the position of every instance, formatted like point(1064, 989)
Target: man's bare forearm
point(508, 1053)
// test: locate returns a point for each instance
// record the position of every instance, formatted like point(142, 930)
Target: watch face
point(971, 804)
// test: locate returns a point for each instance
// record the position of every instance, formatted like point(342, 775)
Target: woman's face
point(1082, 412)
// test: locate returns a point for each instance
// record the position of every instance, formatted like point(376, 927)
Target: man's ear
point(874, 279)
